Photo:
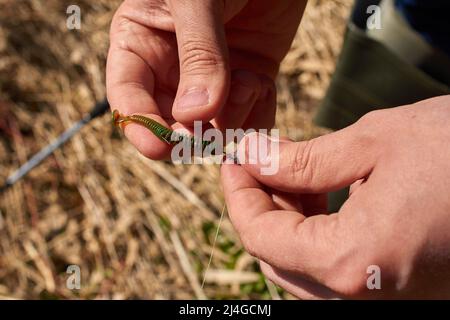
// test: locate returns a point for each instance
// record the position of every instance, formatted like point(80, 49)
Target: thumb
point(324, 164)
point(203, 55)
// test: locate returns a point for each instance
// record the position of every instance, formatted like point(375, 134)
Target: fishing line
point(214, 244)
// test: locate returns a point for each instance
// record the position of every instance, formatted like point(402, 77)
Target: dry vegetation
point(137, 228)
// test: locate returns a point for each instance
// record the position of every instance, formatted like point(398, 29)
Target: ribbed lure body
point(164, 134)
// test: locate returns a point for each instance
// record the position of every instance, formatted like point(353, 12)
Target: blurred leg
point(376, 70)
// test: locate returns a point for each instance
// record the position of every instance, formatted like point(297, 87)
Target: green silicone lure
point(167, 135)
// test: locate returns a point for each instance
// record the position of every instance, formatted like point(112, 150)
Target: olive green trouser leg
point(369, 76)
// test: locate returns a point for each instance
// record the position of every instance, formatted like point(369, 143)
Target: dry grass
point(137, 228)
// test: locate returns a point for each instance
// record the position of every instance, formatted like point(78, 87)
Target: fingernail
point(194, 97)
point(254, 149)
point(241, 94)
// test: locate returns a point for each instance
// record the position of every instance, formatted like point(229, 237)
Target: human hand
point(180, 61)
point(397, 217)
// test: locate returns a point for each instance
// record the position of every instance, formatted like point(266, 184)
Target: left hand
point(397, 217)
point(181, 61)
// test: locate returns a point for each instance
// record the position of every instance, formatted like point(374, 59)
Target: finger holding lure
point(163, 133)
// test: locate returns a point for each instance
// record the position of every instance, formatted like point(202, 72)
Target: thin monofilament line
point(214, 245)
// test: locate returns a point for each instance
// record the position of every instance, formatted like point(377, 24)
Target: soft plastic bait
point(166, 135)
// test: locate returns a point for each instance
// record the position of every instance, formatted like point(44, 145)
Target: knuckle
point(200, 57)
point(120, 25)
point(345, 269)
point(369, 129)
point(352, 274)
point(369, 122)
point(348, 277)
point(303, 162)
point(372, 117)
point(155, 8)
point(121, 22)
point(123, 34)
point(151, 13)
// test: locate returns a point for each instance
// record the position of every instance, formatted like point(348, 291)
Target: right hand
point(178, 61)
point(396, 220)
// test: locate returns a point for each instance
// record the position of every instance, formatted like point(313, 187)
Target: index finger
point(129, 87)
point(130, 83)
